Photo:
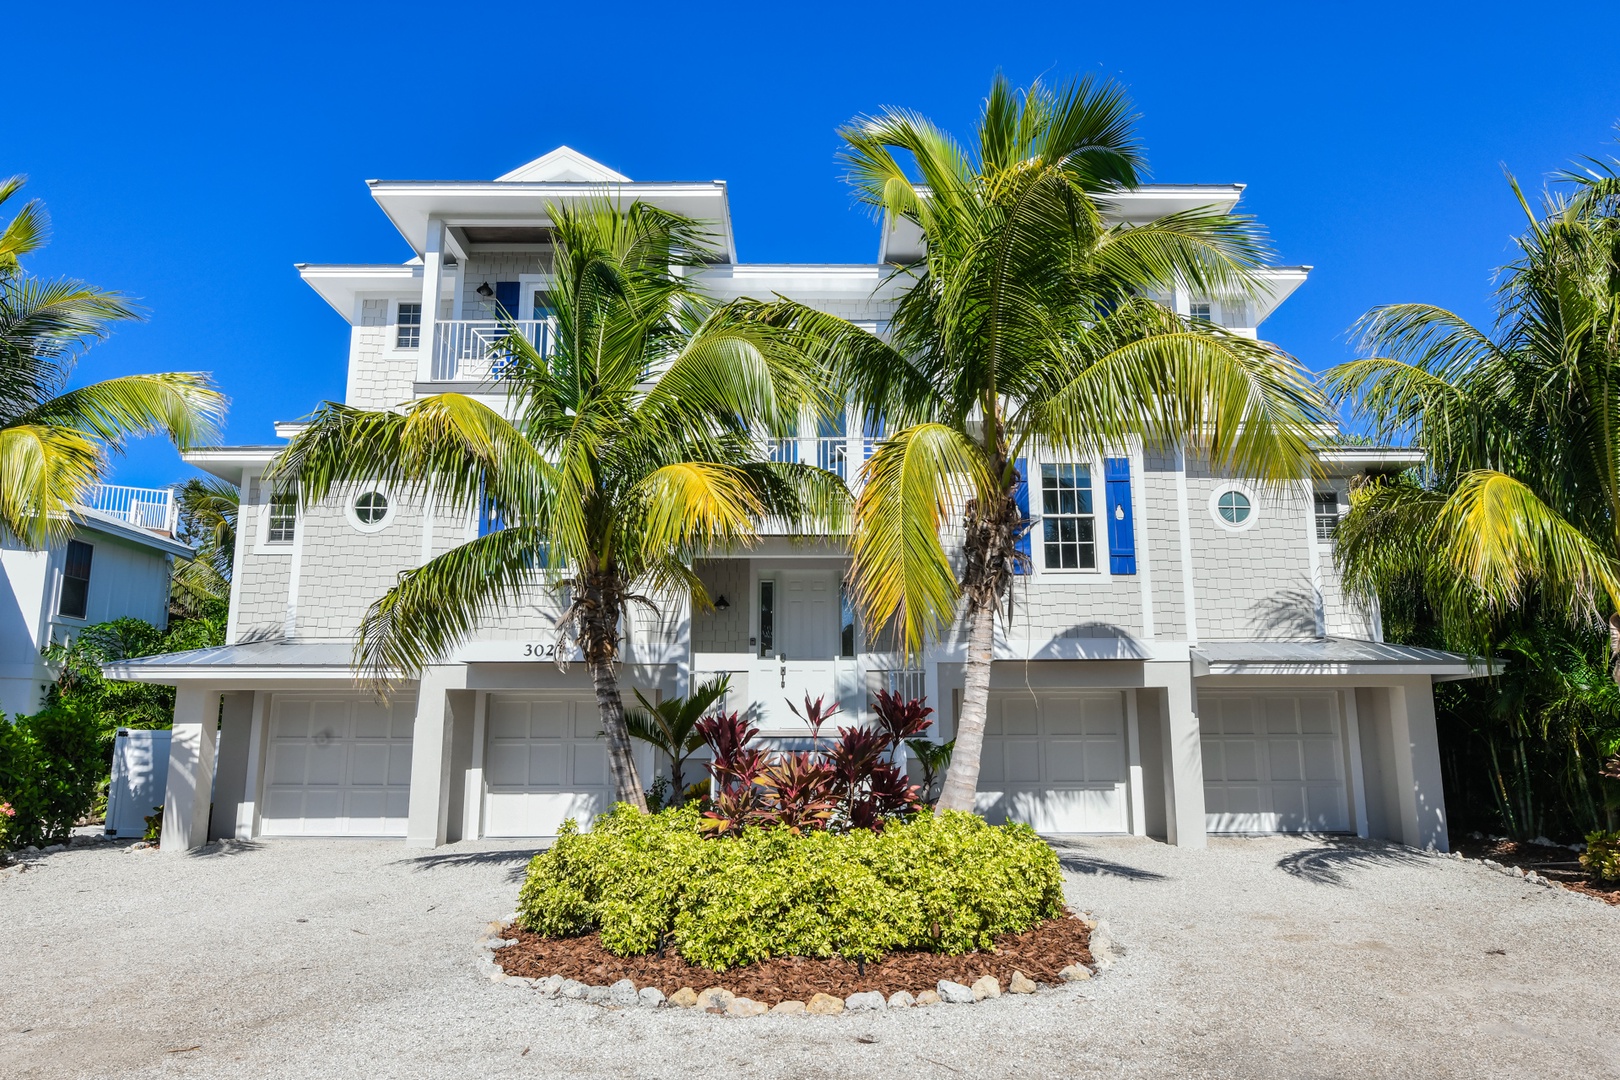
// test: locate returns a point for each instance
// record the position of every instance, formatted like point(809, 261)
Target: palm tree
point(1518, 506)
point(671, 726)
point(208, 515)
point(1030, 321)
point(54, 441)
point(633, 444)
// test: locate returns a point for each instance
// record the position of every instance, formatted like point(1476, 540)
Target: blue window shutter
point(506, 295)
point(1021, 497)
point(1121, 531)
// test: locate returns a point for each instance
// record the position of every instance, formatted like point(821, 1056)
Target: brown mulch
point(1557, 864)
point(1040, 953)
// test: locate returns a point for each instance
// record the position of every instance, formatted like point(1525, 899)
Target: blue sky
point(190, 156)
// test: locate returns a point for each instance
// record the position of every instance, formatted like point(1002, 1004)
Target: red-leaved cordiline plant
point(852, 783)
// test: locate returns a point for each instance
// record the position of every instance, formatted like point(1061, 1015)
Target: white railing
point(830, 452)
point(907, 682)
point(149, 508)
point(469, 350)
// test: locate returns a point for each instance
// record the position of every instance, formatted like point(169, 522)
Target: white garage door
point(1273, 762)
point(337, 765)
point(543, 763)
point(1056, 763)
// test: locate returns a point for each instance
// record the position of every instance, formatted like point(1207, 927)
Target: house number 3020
point(548, 652)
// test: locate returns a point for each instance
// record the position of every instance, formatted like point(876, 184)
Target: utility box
point(140, 778)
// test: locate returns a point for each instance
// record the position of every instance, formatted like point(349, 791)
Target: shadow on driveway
point(1075, 860)
point(516, 859)
point(1326, 865)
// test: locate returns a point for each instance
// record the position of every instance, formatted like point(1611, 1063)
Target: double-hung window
point(409, 329)
point(1200, 311)
point(1068, 526)
point(75, 601)
point(1327, 515)
point(283, 518)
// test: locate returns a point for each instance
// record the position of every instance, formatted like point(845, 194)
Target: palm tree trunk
point(962, 778)
point(600, 641)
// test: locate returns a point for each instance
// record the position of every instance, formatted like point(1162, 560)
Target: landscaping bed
point(1559, 865)
point(1040, 953)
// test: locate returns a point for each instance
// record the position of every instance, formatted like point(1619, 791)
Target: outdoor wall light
point(722, 604)
point(485, 291)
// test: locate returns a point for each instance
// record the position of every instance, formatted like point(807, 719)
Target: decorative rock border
point(716, 1000)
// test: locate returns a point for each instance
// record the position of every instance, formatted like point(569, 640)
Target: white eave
point(86, 518)
point(343, 286)
point(410, 204)
point(1352, 460)
point(230, 463)
point(810, 281)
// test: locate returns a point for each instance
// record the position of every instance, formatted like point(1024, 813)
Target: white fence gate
point(140, 778)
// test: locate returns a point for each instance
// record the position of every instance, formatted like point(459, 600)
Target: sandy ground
point(1257, 958)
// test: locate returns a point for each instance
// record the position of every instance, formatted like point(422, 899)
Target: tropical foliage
point(849, 783)
point(649, 882)
point(51, 767)
point(54, 441)
point(1031, 323)
point(201, 585)
point(1507, 544)
point(632, 445)
point(671, 725)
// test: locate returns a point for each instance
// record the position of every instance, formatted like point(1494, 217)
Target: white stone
point(598, 995)
point(954, 993)
point(1075, 973)
point(624, 994)
point(572, 988)
point(986, 986)
point(548, 985)
point(901, 999)
point(650, 997)
point(866, 1001)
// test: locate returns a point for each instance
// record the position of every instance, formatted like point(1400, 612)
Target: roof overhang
point(1332, 657)
point(86, 518)
point(257, 661)
point(412, 204)
point(343, 286)
point(1354, 460)
point(230, 463)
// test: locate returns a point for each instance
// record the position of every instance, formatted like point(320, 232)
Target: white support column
point(1417, 765)
point(429, 821)
point(1185, 824)
point(190, 793)
point(1358, 777)
point(432, 289)
point(247, 813)
point(472, 807)
point(1133, 761)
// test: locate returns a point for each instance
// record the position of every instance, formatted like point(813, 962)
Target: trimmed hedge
point(946, 884)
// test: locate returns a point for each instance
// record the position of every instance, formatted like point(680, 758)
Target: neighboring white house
point(116, 564)
point(1180, 658)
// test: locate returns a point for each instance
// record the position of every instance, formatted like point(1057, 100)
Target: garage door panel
point(337, 766)
point(507, 720)
point(554, 770)
point(1056, 762)
point(1288, 778)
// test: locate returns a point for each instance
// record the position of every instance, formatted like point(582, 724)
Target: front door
point(802, 647)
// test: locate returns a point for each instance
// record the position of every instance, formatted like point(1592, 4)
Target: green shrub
point(50, 767)
point(947, 884)
point(1602, 858)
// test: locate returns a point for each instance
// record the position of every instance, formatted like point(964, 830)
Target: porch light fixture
point(722, 604)
point(485, 291)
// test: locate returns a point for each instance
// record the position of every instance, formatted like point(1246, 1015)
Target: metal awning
point(1332, 656)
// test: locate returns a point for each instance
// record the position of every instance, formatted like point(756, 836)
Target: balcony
point(831, 452)
point(147, 508)
point(469, 350)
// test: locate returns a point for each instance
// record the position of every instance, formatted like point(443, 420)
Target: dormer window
point(409, 329)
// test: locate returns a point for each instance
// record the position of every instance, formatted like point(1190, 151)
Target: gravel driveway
point(1256, 958)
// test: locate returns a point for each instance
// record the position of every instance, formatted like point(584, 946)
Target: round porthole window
point(371, 510)
point(1233, 507)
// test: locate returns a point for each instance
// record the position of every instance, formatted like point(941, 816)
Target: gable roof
point(564, 165)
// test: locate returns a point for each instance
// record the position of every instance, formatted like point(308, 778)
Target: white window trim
point(351, 510)
point(261, 533)
point(60, 576)
point(1099, 514)
point(391, 327)
point(1344, 505)
point(1242, 489)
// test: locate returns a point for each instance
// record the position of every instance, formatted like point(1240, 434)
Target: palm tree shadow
point(1329, 863)
point(1075, 860)
point(515, 859)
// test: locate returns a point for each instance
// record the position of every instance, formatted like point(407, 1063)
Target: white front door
point(1055, 762)
point(1272, 762)
point(337, 765)
point(544, 762)
point(801, 623)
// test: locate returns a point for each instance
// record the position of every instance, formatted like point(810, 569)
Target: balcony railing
point(149, 508)
point(469, 350)
point(830, 452)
